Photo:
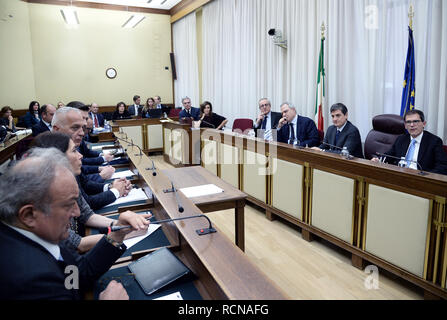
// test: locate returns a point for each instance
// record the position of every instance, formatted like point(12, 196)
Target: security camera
point(278, 38)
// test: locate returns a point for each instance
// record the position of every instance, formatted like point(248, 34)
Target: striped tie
point(268, 135)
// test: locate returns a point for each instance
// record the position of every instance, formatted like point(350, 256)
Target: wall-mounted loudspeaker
point(174, 71)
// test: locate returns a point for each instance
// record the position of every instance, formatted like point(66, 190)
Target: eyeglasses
point(409, 122)
point(263, 105)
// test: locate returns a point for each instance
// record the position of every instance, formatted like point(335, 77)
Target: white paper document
point(134, 195)
point(172, 296)
point(122, 174)
point(199, 191)
point(26, 131)
point(133, 241)
point(100, 147)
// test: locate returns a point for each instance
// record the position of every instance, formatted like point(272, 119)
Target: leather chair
point(386, 129)
point(242, 125)
point(174, 113)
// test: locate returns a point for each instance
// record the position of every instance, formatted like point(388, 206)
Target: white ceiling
point(154, 4)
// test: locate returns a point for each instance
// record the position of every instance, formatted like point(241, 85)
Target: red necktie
point(96, 121)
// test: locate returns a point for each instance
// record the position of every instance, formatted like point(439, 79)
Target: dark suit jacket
point(93, 192)
point(29, 120)
point(306, 132)
point(125, 115)
point(28, 271)
point(349, 138)
point(276, 116)
point(195, 113)
point(90, 157)
point(131, 110)
point(39, 128)
point(431, 156)
point(100, 119)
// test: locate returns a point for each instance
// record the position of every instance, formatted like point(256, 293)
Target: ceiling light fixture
point(70, 16)
point(133, 21)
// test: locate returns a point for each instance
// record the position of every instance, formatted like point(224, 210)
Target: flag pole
point(323, 29)
point(411, 15)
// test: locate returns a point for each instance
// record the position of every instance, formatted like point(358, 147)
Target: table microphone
point(200, 232)
point(342, 149)
point(132, 144)
point(180, 207)
point(153, 169)
point(208, 123)
point(384, 156)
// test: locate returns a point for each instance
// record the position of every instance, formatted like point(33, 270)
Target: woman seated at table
point(6, 119)
point(121, 112)
point(209, 119)
point(150, 104)
point(32, 117)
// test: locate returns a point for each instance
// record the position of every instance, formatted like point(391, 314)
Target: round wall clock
point(111, 73)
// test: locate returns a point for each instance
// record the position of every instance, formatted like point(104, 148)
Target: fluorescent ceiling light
point(133, 21)
point(70, 16)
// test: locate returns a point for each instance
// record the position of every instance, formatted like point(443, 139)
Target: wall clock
point(111, 73)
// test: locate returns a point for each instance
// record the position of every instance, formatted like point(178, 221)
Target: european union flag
point(409, 81)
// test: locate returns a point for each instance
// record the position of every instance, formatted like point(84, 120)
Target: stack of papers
point(199, 191)
point(134, 195)
point(122, 174)
point(133, 241)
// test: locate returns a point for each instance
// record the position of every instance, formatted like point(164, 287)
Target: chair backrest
point(321, 135)
point(174, 112)
point(242, 125)
point(23, 146)
point(444, 147)
point(386, 129)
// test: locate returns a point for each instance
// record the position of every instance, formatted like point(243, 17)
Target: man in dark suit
point(35, 214)
point(296, 130)
point(97, 118)
point(267, 121)
point(135, 109)
point(48, 112)
point(188, 111)
point(342, 134)
point(421, 149)
point(159, 105)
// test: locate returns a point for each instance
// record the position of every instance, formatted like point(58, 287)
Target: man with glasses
point(421, 149)
point(266, 121)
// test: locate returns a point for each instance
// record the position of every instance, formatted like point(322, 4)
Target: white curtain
point(186, 62)
point(365, 52)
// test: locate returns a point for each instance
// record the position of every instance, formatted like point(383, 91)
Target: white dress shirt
point(418, 139)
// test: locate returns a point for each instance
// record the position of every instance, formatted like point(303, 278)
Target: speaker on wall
point(174, 72)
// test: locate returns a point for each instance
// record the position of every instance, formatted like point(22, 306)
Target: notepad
point(199, 191)
point(122, 174)
point(134, 195)
point(133, 241)
point(158, 269)
point(172, 296)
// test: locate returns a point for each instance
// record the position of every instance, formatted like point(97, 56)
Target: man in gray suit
point(342, 134)
point(135, 109)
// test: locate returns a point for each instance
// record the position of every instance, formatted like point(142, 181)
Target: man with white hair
point(189, 112)
point(35, 213)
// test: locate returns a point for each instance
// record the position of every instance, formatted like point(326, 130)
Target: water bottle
point(402, 162)
point(106, 125)
point(345, 152)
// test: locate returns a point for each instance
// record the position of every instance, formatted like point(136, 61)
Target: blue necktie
point(337, 135)
point(264, 123)
point(410, 153)
point(292, 134)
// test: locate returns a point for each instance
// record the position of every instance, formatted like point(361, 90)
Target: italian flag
point(319, 119)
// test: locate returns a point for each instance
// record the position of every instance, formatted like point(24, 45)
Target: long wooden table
point(224, 271)
point(230, 198)
point(9, 148)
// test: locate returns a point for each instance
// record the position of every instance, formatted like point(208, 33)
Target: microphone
point(154, 173)
point(384, 156)
point(132, 145)
point(180, 207)
point(208, 123)
point(200, 232)
point(344, 151)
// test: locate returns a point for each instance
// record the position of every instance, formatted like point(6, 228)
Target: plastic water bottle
point(345, 152)
point(106, 125)
point(402, 162)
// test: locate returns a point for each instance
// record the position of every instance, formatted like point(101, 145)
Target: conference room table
point(9, 148)
point(223, 270)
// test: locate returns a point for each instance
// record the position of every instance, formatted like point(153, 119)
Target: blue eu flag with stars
point(409, 80)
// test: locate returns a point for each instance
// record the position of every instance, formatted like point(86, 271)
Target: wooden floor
point(305, 270)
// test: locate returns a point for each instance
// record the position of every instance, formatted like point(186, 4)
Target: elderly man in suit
point(47, 114)
point(97, 118)
point(421, 149)
point(342, 133)
point(295, 129)
point(37, 202)
point(189, 111)
point(267, 120)
point(135, 109)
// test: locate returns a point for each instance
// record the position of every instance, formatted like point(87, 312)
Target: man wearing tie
point(44, 125)
point(266, 121)
point(296, 130)
point(97, 118)
point(158, 104)
point(135, 109)
point(419, 147)
point(188, 111)
point(342, 134)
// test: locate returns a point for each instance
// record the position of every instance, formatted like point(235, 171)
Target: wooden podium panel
point(229, 158)
point(209, 155)
point(254, 175)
